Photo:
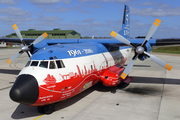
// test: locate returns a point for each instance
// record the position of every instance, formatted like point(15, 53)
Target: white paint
point(99, 60)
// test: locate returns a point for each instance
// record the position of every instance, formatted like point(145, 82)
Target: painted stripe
point(115, 34)
point(39, 117)
point(170, 67)
point(46, 34)
point(9, 61)
point(14, 25)
point(137, 61)
point(156, 24)
point(123, 77)
point(166, 66)
point(157, 20)
point(124, 74)
point(112, 33)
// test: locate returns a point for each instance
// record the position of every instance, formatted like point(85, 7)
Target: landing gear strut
point(47, 109)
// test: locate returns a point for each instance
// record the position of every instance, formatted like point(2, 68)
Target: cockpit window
point(52, 65)
point(27, 64)
point(34, 63)
point(44, 64)
point(60, 64)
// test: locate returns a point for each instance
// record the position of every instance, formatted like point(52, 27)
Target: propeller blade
point(29, 53)
point(25, 48)
point(18, 33)
point(40, 38)
point(159, 61)
point(151, 31)
point(129, 67)
point(14, 57)
point(122, 39)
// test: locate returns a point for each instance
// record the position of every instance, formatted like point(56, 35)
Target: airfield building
point(52, 34)
point(2, 44)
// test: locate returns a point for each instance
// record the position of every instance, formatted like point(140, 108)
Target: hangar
point(52, 34)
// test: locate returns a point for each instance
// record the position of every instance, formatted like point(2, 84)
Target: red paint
point(50, 80)
point(51, 93)
point(74, 83)
point(111, 76)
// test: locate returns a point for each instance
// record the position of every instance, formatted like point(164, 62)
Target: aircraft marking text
point(78, 52)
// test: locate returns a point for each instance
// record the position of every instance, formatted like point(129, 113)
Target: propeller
point(25, 48)
point(141, 49)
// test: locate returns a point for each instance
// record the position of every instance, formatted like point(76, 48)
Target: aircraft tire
point(48, 109)
point(40, 109)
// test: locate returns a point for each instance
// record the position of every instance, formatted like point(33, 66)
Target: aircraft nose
point(25, 90)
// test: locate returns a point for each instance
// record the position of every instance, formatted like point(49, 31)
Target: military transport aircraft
point(62, 68)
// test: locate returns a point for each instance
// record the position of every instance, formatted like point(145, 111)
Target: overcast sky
point(91, 17)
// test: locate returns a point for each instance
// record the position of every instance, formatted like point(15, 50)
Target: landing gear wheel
point(48, 109)
point(123, 85)
point(40, 109)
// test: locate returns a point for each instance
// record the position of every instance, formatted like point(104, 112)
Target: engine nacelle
point(111, 77)
point(148, 49)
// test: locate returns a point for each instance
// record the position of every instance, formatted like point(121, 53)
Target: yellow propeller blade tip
point(45, 35)
point(170, 67)
point(14, 25)
point(123, 77)
point(157, 20)
point(8, 61)
point(112, 33)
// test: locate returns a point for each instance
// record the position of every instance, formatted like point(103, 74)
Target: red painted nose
point(25, 90)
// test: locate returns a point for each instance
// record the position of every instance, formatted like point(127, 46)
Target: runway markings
point(39, 117)
point(55, 108)
point(137, 61)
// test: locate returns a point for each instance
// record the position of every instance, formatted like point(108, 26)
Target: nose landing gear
point(47, 109)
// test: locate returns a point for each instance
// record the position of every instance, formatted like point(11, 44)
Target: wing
point(168, 42)
point(16, 40)
point(107, 42)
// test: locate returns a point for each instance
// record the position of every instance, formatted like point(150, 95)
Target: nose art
point(25, 90)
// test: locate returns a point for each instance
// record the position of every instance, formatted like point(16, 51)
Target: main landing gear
point(47, 109)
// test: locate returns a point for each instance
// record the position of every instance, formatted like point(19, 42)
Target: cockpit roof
point(62, 51)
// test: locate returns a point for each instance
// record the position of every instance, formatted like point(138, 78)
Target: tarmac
point(154, 94)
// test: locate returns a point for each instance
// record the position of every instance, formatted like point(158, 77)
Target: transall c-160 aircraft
point(62, 68)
